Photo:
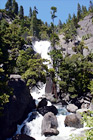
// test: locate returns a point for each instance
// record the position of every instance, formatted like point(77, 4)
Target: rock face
point(84, 31)
point(73, 120)
point(22, 137)
point(46, 109)
point(49, 125)
point(20, 104)
point(72, 108)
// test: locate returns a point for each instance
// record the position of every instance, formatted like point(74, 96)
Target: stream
point(33, 128)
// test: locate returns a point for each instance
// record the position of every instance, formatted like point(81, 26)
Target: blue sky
point(64, 7)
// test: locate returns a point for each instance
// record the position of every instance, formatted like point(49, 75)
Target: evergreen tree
point(79, 12)
point(21, 12)
point(30, 12)
point(91, 6)
point(15, 7)
point(34, 26)
point(53, 16)
point(36, 11)
point(60, 24)
point(74, 20)
point(8, 5)
point(84, 10)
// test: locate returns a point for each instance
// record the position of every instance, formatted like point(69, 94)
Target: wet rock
point(47, 109)
point(73, 120)
point(72, 108)
point(33, 116)
point(22, 137)
point(49, 125)
point(42, 103)
point(20, 104)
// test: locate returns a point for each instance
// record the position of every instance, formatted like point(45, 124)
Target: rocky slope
point(85, 32)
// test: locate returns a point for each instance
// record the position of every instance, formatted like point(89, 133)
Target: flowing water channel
point(33, 128)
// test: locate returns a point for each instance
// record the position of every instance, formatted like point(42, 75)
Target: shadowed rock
point(46, 109)
point(20, 104)
point(22, 137)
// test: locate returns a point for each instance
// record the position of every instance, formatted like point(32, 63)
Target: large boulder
point(49, 125)
point(73, 120)
point(72, 108)
point(20, 104)
point(46, 109)
point(22, 137)
point(42, 103)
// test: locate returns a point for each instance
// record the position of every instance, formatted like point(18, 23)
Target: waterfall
point(33, 128)
point(43, 48)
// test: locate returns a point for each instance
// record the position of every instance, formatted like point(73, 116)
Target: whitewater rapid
point(33, 128)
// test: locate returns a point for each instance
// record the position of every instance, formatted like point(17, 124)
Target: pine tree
point(91, 6)
point(34, 25)
point(21, 12)
point(8, 5)
point(79, 12)
point(84, 10)
point(30, 12)
point(53, 16)
point(15, 7)
point(74, 20)
point(60, 24)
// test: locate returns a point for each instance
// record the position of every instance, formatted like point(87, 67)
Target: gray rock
point(83, 110)
point(20, 104)
point(91, 106)
point(72, 108)
point(86, 28)
point(73, 120)
point(85, 105)
point(56, 138)
point(49, 125)
point(49, 84)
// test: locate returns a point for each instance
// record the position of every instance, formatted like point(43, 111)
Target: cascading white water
point(43, 48)
point(33, 128)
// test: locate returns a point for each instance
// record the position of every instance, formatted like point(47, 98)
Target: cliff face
point(85, 32)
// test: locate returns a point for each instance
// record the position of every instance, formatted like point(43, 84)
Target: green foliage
point(91, 86)
point(5, 91)
point(87, 36)
point(88, 118)
point(31, 67)
point(74, 72)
